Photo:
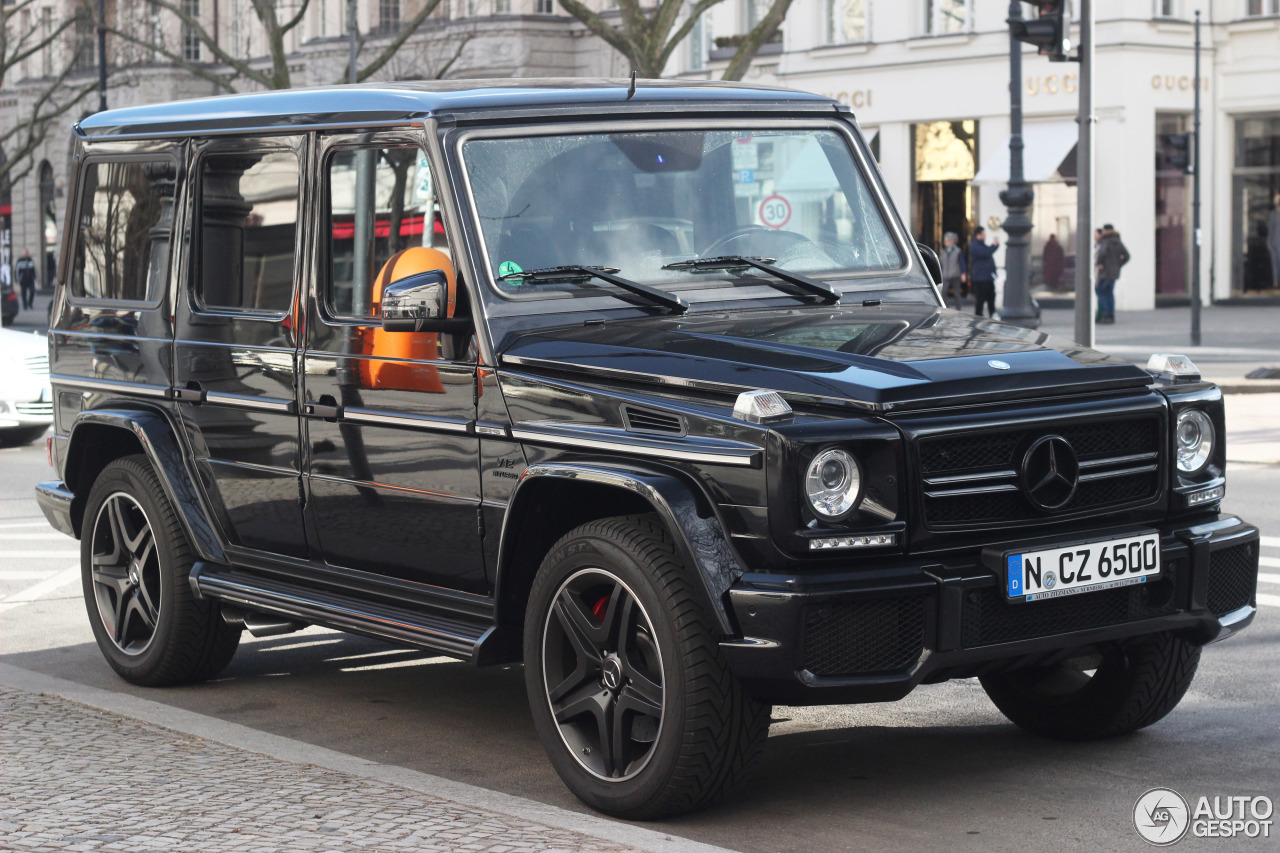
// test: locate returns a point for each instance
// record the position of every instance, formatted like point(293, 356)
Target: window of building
point(700, 43)
point(942, 17)
point(248, 225)
point(502, 7)
point(46, 30)
point(190, 38)
point(544, 7)
point(1167, 9)
point(846, 21)
point(388, 16)
point(1256, 8)
point(1173, 205)
point(1256, 205)
point(84, 43)
point(122, 237)
point(381, 201)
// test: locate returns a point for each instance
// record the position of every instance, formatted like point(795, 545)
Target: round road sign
point(775, 211)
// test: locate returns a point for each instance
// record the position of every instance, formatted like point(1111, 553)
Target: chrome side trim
point(974, 490)
point(495, 430)
point(970, 478)
point(369, 416)
point(91, 385)
point(744, 458)
point(1119, 460)
point(247, 401)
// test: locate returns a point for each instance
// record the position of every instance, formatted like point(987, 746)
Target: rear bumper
point(874, 634)
point(55, 500)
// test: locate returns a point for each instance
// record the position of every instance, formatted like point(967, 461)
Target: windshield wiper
point(576, 274)
point(826, 292)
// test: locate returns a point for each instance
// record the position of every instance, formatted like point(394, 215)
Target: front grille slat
point(967, 476)
point(34, 408)
point(37, 364)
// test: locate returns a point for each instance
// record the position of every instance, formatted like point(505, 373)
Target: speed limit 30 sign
point(775, 211)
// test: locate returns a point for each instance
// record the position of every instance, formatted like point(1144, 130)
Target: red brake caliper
point(598, 609)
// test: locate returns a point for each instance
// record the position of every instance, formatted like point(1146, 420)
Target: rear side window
point(248, 230)
point(125, 224)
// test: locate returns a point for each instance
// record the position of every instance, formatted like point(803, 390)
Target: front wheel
point(135, 563)
point(1120, 688)
point(638, 713)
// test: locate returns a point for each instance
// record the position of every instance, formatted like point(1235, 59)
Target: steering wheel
point(767, 241)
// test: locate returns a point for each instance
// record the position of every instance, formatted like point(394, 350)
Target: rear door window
point(248, 221)
point(124, 230)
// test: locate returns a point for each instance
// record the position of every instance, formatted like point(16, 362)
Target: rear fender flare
point(699, 538)
point(155, 434)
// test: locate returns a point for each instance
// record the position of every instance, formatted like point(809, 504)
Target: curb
point(292, 751)
point(1248, 386)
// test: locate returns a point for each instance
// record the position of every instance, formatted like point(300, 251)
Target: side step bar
point(459, 638)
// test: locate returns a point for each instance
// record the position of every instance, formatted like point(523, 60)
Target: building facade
point(928, 81)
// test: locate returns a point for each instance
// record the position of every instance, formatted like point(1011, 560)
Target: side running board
point(457, 637)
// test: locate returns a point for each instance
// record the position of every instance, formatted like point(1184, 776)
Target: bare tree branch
point(394, 45)
point(646, 36)
point(752, 41)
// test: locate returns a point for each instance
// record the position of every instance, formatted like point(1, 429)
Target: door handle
point(192, 393)
point(325, 408)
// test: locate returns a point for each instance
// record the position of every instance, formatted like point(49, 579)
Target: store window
point(846, 21)
point(945, 163)
point(1173, 203)
point(1258, 8)
point(943, 17)
point(1256, 205)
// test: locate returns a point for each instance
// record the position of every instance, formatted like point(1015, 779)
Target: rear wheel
point(1123, 687)
point(135, 563)
point(631, 699)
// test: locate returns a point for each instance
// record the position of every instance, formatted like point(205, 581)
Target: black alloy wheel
point(125, 570)
point(602, 674)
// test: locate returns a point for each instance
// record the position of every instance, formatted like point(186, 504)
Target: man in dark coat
point(25, 269)
point(982, 272)
point(1112, 255)
point(953, 269)
point(1052, 262)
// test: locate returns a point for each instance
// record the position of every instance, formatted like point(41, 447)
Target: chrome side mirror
point(410, 304)
point(931, 262)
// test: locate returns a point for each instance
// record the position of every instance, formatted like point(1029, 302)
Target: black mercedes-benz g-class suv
point(647, 387)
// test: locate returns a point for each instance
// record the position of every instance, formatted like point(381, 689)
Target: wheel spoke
point(149, 609)
point(138, 607)
point(641, 702)
point(121, 617)
point(585, 636)
point(112, 577)
point(589, 699)
point(582, 673)
point(133, 535)
point(147, 545)
point(616, 745)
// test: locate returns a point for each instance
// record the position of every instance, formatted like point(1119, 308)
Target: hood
point(884, 357)
point(23, 344)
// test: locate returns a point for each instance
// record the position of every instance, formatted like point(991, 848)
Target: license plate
point(1086, 567)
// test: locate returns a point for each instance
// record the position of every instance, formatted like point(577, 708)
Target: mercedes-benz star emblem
point(998, 364)
point(1050, 473)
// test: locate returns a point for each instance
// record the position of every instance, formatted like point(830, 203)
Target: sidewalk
point(1253, 428)
point(78, 778)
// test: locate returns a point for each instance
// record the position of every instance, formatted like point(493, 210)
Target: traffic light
point(1047, 30)
point(1178, 151)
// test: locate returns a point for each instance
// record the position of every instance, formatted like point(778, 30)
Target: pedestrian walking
point(1112, 255)
point(27, 275)
point(982, 272)
point(954, 269)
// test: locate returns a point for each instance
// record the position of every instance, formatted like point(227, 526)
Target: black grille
point(1233, 572)
point(989, 618)
point(863, 637)
point(976, 453)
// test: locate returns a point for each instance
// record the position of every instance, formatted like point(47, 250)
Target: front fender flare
point(699, 539)
point(155, 434)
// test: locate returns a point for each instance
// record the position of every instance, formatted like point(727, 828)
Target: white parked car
point(26, 402)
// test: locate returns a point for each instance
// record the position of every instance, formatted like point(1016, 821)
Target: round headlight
point(1195, 440)
point(832, 483)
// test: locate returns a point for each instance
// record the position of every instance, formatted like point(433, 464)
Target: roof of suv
point(398, 102)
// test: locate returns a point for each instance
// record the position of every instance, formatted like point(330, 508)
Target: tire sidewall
point(595, 551)
point(123, 476)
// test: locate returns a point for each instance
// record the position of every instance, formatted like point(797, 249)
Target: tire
point(1135, 683)
point(134, 564)
point(625, 579)
point(19, 436)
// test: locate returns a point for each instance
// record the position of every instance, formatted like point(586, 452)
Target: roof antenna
point(631, 90)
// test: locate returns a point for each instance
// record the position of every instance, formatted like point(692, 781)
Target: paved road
point(939, 770)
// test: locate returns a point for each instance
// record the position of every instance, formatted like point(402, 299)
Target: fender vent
point(651, 421)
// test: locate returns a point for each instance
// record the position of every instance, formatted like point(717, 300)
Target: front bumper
point(873, 634)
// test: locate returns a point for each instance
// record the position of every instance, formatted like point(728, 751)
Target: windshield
point(636, 202)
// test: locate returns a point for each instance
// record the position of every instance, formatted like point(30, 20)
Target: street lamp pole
point(1017, 199)
point(1084, 183)
point(1195, 203)
point(353, 68)
point(102, 55)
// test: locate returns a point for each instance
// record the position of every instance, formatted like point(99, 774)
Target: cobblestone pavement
point(75, 778)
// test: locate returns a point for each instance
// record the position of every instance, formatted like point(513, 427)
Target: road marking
point(24, 524)
point(22, 575)
point(1270, 541)
point(32, 593)
point(1269, 562)
point(328, 642)
point(1267, 577)
point(11, 536)
point(1271, 600)
point(38, 555)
